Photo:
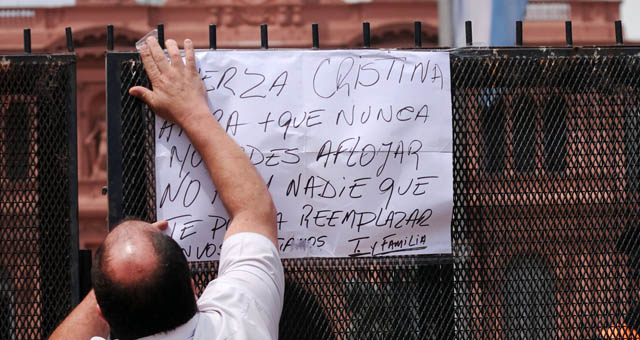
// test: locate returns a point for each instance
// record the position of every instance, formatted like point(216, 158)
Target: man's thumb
point(141, 93)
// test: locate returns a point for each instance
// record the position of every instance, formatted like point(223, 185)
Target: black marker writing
point(359, 220)
point(351, 74)
point(248, 84)
point(189, 195)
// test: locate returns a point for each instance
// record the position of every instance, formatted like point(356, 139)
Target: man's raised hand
point(178, 92)
point(178, 95)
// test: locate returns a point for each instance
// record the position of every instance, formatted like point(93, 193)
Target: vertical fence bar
point(518, 33)
point(568, 32)
point(315, 38)
point(366, 35)
point(213, 39)
point(468, 31)
point(72, 143)
point(57, 203)
point(27, 40)
point(69, 39)
point(161, 35)
point(619, 39)
point(264, 37)
point(417, 34)
point(114, 141)
point(110, 40)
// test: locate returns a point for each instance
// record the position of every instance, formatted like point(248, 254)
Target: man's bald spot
point(129, 253)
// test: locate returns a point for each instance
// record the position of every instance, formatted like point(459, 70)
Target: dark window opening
point(524, 133)
point(554, 118)
point(15, 126)
point(492, 125)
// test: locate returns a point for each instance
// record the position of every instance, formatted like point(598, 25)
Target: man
point(140, 275)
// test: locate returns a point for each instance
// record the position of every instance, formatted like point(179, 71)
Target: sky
point(630, 13)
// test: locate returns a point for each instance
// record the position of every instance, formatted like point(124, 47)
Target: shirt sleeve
point(249, 262)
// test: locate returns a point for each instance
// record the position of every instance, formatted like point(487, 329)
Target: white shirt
point(245, 301)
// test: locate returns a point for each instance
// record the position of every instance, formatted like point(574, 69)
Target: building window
point(492, 130)
point(518, 132)
point(524, 133)
point(15, 137)
point(529, 299)
point(554, 135)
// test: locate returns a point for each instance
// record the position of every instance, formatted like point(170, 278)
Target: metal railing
point(39, 282)
point(546, 192)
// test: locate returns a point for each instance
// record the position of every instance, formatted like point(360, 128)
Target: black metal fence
point(38, 194)
point(546, 192)
point(545, 235)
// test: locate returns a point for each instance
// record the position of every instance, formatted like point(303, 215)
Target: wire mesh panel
point(38, 194)
point(325, 298)
point(544, 231)
point(546, 199)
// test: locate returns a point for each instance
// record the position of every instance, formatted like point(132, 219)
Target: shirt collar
point(182, 332)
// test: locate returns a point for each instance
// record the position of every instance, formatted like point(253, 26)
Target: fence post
point(27, 40)
point(264, 38)
point(366, 35)
point(568, 33)
point(417, 34)
point(212, 37)
point(315, 39)
point(110, 40)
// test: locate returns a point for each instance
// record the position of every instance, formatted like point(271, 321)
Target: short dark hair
point(158, 303)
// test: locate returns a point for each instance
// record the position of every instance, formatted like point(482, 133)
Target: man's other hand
point(161, 225)
point(178, 92)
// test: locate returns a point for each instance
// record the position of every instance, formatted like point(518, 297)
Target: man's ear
point(160, 225)
point(100, 312)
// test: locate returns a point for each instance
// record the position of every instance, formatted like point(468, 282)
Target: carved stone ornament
point(95, 144)
point(228, 17)
point(284, 15)
point(254, 16)
point(252, 2)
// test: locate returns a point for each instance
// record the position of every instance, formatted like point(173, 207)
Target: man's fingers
point(189, 56)
point(174, 53)
point(160, 225)
point(149, 64)
point(142, 93)
point(157, 54)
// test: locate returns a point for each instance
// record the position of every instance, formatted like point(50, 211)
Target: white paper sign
point(355, 146)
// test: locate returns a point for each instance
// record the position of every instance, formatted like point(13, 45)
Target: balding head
point(129, 253)
point(142, 281)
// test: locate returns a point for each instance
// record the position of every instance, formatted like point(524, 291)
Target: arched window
point(529, 299)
